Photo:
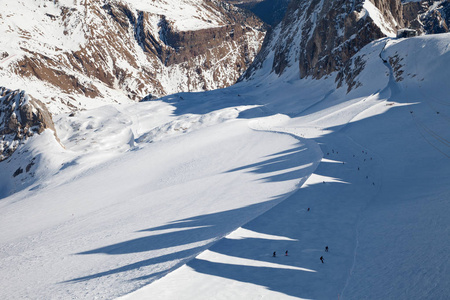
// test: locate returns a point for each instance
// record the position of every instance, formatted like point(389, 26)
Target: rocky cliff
point(427, 17)
point(319, 37)
point(20, 118)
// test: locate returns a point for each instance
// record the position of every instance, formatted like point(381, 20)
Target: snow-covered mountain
point(188, 196)
point(317, 38)
point(73, 54)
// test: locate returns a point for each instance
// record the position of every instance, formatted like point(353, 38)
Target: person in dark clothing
point(286, 253)
point(326, 249)
point(308, 208)
point(321, 259)
point(274, 254)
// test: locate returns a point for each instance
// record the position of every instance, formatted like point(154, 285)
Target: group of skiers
point(321, 258)
point(308, 209)
point(286, 254)
point(275, 253)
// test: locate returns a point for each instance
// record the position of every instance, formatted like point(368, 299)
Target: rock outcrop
point(428, 17)
point(20, 118)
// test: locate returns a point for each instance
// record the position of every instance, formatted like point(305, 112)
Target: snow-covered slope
point(133, 194)
point(378, 199)
point(141, 189)
point(104, 229)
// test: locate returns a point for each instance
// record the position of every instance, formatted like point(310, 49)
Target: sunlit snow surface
point(141, 191)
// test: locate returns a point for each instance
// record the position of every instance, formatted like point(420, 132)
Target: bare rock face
point(428, 17)
point(320, 37)
point(332, 32)
point(21, 118)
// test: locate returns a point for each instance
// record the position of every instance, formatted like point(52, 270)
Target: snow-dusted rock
point(317, 38)
point(20, 118)
point(121, 50)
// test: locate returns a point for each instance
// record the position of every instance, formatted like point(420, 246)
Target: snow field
point(234, 172)
point(133, 216)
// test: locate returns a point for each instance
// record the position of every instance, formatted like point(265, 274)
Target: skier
point(286, 253)
point(321, 259)
point(308, 208)
point(274, 254)
point(326, 249)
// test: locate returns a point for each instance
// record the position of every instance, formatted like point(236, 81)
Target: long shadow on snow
point(197, 103)
point(334, 203)
point(191, 230)
point(204, 228)
point(285, 161)
point(154, 260)
point(308, 233)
